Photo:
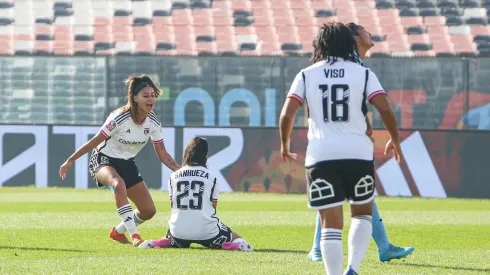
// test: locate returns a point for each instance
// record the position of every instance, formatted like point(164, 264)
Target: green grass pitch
point(65, 231)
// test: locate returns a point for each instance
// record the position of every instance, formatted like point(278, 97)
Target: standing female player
point(386, 250)
point(112, 164)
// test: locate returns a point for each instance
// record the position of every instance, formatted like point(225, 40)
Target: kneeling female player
point(193, 191)
point(112, 164)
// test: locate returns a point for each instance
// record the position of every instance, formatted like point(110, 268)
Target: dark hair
point(135, 84)
point(196, 152)
point(353, 28)
point(334, 40)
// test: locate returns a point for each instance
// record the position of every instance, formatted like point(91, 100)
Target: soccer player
point(112, 164)
point(386, 250)
point(193, 191)
point(339, 157)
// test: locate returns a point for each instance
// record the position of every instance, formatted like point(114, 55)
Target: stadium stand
point(246, 27)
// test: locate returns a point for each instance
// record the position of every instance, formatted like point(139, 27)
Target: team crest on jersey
point(104, 160)
point(146, 131)
point(111, 125)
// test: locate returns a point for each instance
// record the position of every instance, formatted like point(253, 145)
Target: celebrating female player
point(193, 194)
point(112, 164)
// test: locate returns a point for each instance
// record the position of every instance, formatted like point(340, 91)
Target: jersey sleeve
point(373, 87)
point(156, 134)
point(110, 126)
point(297, 90)
point(215, 190)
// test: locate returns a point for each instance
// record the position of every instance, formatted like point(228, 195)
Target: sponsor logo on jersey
point(111, 125)
point(131, 142)
point(146, 131)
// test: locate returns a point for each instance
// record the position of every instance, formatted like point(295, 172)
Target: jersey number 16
point(339, 95)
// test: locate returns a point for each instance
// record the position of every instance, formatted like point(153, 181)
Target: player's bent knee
point(147, 213)
point(118, 185)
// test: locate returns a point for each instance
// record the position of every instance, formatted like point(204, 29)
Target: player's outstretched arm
point(165, 157)
point(286, 122)
point(91, 144)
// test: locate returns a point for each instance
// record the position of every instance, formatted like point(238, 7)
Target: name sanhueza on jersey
point(191, 173)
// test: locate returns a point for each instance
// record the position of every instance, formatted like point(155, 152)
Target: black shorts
point(331, 182)
point(126, 169)
point(223, 236)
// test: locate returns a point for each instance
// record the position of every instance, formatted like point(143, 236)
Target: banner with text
point(436, 164)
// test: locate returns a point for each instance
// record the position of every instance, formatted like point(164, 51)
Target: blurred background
point(230, 63)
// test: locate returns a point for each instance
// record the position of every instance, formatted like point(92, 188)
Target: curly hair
point(334, 40)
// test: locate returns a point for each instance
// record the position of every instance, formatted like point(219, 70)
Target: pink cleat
point(162, 243)
point(230, 246)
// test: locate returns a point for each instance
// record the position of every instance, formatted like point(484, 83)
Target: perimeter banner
point(436, 163)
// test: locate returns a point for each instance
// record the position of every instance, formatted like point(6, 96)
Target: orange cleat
point(121, 238)
point(136, 240)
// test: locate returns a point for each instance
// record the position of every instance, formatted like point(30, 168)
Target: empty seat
point(416, 30)
point(429, 12)
point(23, 47)
point(409, 12)
point(125, 47)
point(458, 30)
point(421, 47)
point(426, 4)
point(469, 3)
point(447, 3)
point(454, 21)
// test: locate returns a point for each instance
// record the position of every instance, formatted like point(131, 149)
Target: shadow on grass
point(447, 267)
point(272, 250)
point(41, 248)
point(263, 250)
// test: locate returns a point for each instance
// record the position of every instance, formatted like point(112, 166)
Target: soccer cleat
point(395, 252)
point(350, 271)
point(136, 239)
point(315, 255)
point(244, 246)
point(230, 246)
point(162, 243)
point(121, 238)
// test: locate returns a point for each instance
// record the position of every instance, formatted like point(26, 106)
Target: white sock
point(121, 228)
point(127, 216)
point(360, 232)
point(331, 246)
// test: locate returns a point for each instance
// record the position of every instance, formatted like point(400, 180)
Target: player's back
point(192, 190)
point(335, 94)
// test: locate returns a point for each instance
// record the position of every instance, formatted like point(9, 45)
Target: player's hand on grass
point(394, 146)
point(64, 168)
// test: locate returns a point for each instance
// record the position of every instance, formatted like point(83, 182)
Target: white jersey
point(125, 138)
point(192, 190)
point(336, 94)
